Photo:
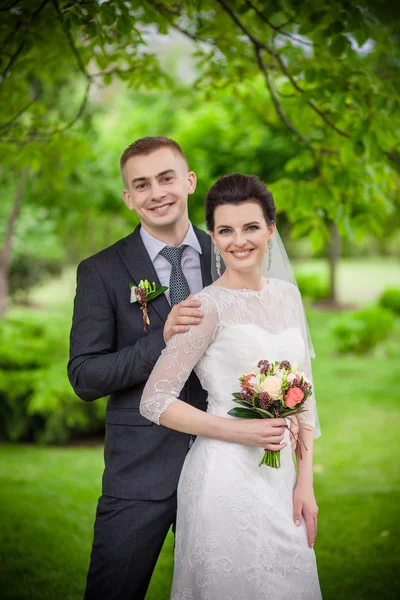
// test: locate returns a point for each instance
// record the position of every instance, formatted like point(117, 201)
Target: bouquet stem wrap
point(271, 458)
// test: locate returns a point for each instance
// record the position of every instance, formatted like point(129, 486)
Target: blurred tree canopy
point(309, 92)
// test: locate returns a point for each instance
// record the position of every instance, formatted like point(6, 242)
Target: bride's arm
point(175, 364)
point(160, 400)
point(304, 503)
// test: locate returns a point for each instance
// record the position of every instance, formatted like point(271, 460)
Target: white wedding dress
point(235, 535)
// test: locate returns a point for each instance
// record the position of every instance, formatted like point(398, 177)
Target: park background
point(304, 94)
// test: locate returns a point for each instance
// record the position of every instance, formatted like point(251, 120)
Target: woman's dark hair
point(236, 189)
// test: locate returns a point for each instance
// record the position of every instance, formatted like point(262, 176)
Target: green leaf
point(242, 402)
point(158, 292)
point(244, 413)
point(337, 27)
point(310, 75)
point(371, 143)
point(338, 46)
point(317, 17)
point(346, 152)
point(359, 148)
point(107, 79)
point(361, 36)
point(124, 25)
point(264, 413)
point(300, 229)
point(294, 411)
point(317, 239)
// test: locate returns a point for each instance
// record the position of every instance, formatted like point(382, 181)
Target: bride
point(243, 532)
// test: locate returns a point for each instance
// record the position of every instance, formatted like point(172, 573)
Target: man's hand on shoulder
point(182, 315)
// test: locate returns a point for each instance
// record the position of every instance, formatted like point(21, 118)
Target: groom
point(112, 355)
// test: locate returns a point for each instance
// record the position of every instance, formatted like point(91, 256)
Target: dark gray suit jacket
point(111, 355)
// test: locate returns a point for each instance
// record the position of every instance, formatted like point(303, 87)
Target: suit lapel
point(136, 259)
point(205, 258)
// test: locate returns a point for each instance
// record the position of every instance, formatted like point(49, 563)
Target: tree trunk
point(5, 252)
point(334, 256)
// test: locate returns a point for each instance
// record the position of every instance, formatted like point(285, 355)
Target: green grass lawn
point(48, 495)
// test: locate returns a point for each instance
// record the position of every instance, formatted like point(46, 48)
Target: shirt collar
point(154, 246)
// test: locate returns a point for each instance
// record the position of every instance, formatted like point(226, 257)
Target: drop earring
point(270, 245)
point(217, 260)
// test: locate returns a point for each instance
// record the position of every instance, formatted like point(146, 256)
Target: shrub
point(36, 398)
point(27, 271)
point(38, 252)
point(360, 332)
point(312, 286)
point(391, 299)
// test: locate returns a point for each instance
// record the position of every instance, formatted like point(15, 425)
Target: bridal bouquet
point(271, 390)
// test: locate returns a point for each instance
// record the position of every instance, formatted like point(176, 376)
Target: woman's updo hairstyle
point(236, 189)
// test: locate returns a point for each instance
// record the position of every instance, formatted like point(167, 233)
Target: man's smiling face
point(157, 186)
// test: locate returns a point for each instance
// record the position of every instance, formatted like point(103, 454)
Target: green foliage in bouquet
point(360, 332)
point(37, 401)
point(390, 299)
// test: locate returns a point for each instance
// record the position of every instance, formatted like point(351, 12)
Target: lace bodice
point(240, 327)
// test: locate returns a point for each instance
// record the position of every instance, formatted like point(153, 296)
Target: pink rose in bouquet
point(293, 397)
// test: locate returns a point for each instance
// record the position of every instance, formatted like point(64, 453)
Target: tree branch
point(6, 249)
point(79, 113)
point(115, 70)
point(278, 105)
point(276, 28)
point(258, 46)
point(302, 91)
point(48, 134)
point(393, 157)
point(18, 114)
point(71, 42)
point(9, 7)
point(14, 56)
point(174, 13)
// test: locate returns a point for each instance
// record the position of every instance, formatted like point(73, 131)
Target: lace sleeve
point(309, 416)
point(177, 361)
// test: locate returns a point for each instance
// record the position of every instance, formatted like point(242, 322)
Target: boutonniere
point(143, 294)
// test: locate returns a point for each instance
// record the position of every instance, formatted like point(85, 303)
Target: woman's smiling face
point(241, 234)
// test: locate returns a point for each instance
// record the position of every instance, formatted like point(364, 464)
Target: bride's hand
point(304, 504)
point(265, 433)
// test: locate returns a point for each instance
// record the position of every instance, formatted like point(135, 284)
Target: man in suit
point(112, 355)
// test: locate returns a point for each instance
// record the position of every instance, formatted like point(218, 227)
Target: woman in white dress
point(243, 532)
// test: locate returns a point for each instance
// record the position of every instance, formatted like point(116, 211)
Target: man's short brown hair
point(147, 145)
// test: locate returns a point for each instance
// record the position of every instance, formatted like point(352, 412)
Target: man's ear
point(127, 199)
point(192, 179)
